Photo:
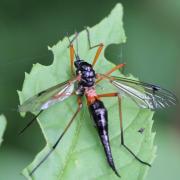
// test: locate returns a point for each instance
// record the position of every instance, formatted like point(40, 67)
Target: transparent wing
point(145, 95)
point(47, 98)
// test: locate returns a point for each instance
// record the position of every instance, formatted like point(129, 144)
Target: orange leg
point(114, 69)
point(72, 58)
point(121, 125)
point(100, 47)
point(101, 77)
point(108, 95)
point(97, 54)
point(72, 52)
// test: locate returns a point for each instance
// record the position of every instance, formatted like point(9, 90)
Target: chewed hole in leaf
point(115, 53)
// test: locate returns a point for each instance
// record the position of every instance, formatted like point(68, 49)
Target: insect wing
point(47, 98)
point(143, 94)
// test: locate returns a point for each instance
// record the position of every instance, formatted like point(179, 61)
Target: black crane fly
point(143, 94)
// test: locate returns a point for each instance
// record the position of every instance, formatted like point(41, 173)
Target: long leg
point(72, 52)
point(101, 77)
point(30, 123)
point(122, 134)
point(100, 47)
point(60, 137)
point(72, 58)
point(121, 125)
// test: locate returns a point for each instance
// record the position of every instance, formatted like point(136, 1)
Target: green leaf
point(80, 154)
point(2, 126)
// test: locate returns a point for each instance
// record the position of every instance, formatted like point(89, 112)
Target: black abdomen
point(100, 117)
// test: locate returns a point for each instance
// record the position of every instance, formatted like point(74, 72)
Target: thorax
point(86, 75)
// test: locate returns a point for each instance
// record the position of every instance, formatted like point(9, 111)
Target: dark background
point(152, 53)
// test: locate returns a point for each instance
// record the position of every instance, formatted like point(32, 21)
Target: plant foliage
point(2, 126)
point(80, 154)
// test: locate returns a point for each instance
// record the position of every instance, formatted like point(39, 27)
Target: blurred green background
point(152, 53)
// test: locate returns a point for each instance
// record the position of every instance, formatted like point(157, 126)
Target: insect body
point(84, 84)
point(96, 107)
point(100, 116)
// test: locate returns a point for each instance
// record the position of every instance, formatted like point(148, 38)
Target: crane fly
point(84, 83)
